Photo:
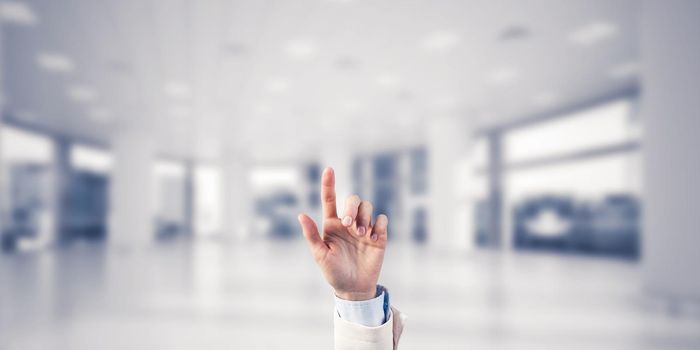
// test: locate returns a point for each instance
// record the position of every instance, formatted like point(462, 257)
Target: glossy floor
point(269, 295)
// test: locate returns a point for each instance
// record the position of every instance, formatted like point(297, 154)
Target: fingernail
point(374, 236)
point(361, 231)
point(347, 221)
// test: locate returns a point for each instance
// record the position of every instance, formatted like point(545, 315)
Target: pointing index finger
point(328, 193)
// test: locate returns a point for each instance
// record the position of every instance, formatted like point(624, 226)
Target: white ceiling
point(276, 77)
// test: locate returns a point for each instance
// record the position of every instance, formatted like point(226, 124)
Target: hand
point(351, 252)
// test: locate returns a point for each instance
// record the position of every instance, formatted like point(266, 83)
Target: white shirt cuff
point(369, 313)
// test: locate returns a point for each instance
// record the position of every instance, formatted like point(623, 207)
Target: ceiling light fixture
point(81, 93)
point(503, 76)
point(544, 99)
point(347, 63)
point(54, 62)
point(176, 89)
point(261, 108)
point(179, 111)
point(24, 115)
point(514, 33)
point(15, 12)
point(446, 102)
point(300, 49)
point(441, 41)
point(387, 81)
point(625, 70)
point(236, 49)
point(593, 33)
point(277, 85)
point(100, 114)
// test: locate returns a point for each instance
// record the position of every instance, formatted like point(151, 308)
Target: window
point(574, 182)
point(606, 125)
point(91, 159)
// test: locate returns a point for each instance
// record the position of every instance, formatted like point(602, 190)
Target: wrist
point(356, 295)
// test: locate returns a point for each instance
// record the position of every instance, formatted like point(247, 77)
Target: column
point(2, 115)
point(497, 206)
point(62, 174)
point(450, 204)
point(670, 52)
point(237, 200)
point(131, 221)
point(189, 198)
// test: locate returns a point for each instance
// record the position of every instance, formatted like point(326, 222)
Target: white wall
point(670, 44)
point(450, 191)
point(131, 221)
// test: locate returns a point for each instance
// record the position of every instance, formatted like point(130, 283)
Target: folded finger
point(379, 231)
point(352, 205)
point(364, 217)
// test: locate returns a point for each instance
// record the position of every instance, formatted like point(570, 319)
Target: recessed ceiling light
point(120, 67)
point(235, 49)
point(514, 33)
point(81, 93)
point(25, 115)
point(277, 85)
point(625, 70)
point(350, 105)
point(544, 99)
point(592, 33)
point(100, 114)
point(387, 81)
point(179, 111)
point(15, 12)
point(176, 89)
point(54, 62)
point(503, 76)
point(261, 108)
point(300, 49)
point(404, 95)
point(446, 102)
point(347, 63)
point(441, 41)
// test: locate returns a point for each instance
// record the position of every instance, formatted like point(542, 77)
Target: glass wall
point(396, 182)
point(170, 199)
point(85, 194)
point(27, 183)
point(573, 183)
point(279, 193)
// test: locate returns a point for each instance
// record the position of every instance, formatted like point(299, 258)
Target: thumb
point(316, 244)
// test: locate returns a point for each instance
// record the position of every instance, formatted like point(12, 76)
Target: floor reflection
point(264, 295)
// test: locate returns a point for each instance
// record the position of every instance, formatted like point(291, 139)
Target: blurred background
point(537, 160)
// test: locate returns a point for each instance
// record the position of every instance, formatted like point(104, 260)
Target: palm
point(351, 263)
point(351, 252)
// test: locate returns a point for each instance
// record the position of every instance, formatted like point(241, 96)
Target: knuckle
point(328, 197)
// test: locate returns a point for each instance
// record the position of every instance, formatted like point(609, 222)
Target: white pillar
point(131, 221)
point(450, 212)
point(2, 115)
point(237, 200)
point(670, 54)
point(62, 173)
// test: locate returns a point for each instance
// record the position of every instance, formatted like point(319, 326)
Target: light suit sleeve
point(353, 336)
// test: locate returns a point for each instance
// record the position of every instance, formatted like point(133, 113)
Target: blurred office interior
point(537, 160)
